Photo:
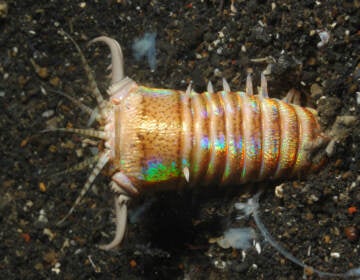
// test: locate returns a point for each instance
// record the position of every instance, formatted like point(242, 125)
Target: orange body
point(223, 138)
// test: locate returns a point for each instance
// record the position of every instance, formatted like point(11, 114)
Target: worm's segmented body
point(223, 138)
point(157, 139)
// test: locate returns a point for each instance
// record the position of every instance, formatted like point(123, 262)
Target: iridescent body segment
point(223, 138)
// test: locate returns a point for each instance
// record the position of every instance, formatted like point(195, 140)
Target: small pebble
point(29, 203)
point(26, 237)
point(49, 233)
point(42, 187)
point(42, 72)
point(55, 81)
point(312, 199)
point(311, 61)
point(309, 216)
point(133, 263)
point(308, 271)
point(22, 80)
point(327, 239)
point(324, 37)
point(279, 191)
point(351, 233)
point(346, 175)
point(79, 152)
point(316, 90)
point(50, 257)
point(48, 113)
point(352, 210)
point(24, 142)
point(42, 217)
point(52, 149)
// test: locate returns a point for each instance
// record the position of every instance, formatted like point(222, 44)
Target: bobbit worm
point(158, 139)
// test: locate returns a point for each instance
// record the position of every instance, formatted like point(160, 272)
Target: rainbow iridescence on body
point(224, 138)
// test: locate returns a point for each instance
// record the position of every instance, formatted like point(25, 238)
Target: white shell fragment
point(335, 255)
point(324, 37)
